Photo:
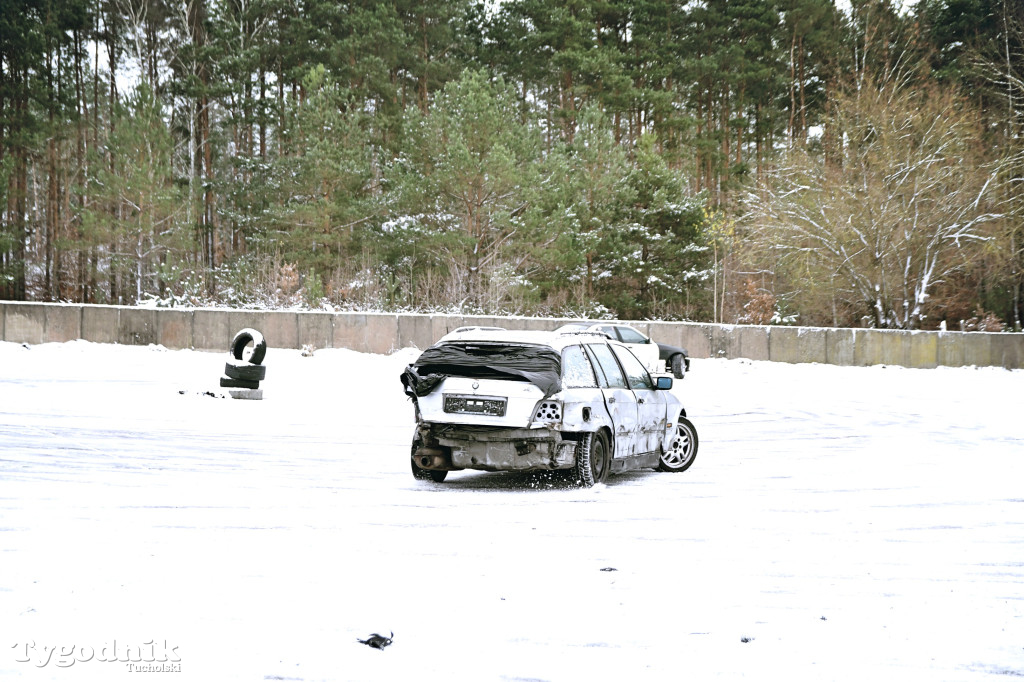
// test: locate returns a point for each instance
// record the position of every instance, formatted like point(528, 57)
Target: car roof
point(590, 324)
point(553, 339)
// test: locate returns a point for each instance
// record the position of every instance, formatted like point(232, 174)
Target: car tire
point(593, 460)
point(428, 474)
point(421, 474)
point(231, 382)
point(683, 450)
point(245, 371)
point(243, 339)
point(678, 365)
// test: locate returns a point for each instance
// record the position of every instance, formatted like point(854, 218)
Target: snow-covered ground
point(839, 523)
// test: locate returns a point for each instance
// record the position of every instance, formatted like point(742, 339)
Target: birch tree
point(910, 198)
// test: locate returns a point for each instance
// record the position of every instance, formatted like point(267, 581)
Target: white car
point(651, 353)
point(498, 400)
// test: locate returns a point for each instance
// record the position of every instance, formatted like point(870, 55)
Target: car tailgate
point(481, 402)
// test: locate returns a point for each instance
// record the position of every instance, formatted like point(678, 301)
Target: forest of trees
point(760, 161)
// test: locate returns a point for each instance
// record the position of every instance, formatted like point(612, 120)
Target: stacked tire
point(245, 369)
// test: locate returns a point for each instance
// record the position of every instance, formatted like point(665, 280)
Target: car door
point(651, 404)
point(618, 398)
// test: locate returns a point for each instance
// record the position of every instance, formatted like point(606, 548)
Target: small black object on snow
point(607, 569)
point(207, 394)
point(376, 641)
point(746, 640)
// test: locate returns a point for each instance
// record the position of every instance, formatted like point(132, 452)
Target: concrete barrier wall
point(213, 328)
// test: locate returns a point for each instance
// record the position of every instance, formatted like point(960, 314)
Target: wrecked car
point(498, 400)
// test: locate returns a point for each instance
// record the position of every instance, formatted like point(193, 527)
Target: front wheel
point(683, 449)
point(592, 460)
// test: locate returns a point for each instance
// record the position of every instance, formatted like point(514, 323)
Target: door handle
point(611, 400)
point(640, 401)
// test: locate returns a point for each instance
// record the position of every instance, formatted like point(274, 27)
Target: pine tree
point(151, 240)
point(461, 183)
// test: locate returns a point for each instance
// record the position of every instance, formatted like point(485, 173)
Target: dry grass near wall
point(363, 285)
point(982, 322)
point(760, 305)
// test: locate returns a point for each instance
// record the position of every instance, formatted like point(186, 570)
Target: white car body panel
point(521, 396)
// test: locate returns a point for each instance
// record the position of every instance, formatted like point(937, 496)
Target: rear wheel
point(592, 460)
point(427, 474)
point(683, 450)
point(421, 474)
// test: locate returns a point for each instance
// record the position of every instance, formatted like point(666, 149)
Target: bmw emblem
point(476, 385)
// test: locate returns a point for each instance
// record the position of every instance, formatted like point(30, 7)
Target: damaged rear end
point(475, 424)
point(493, 406)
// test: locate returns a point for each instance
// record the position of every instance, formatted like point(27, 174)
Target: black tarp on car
point(540, 365)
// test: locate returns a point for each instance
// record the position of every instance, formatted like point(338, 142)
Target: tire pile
point(244, 370)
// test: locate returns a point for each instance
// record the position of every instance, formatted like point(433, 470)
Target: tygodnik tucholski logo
point(150, 656)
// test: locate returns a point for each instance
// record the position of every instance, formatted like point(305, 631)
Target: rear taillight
point(548, 412)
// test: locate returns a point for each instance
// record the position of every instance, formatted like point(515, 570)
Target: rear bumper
point(448, 447)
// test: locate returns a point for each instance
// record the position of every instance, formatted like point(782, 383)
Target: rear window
point(576, 369)
point(630, 335)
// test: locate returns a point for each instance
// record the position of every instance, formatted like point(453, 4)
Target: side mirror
point(664, 383)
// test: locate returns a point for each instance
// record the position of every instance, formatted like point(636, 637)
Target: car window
point(630, 335)
point(610, 372)
point(607, 330)
point(576, 369)
point(636, 373)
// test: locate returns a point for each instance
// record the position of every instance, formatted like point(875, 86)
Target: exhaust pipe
point(432, 458)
